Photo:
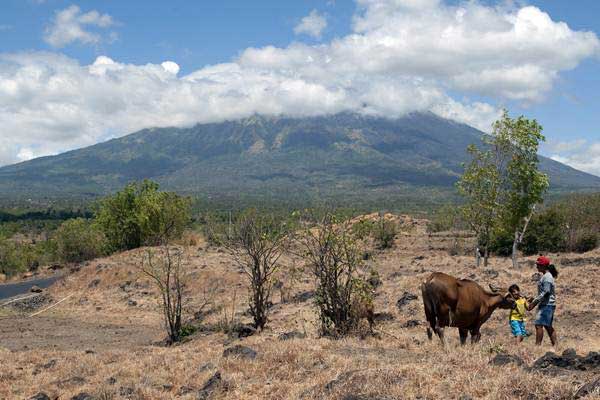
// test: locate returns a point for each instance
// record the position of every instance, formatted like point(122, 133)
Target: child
point(517, 314)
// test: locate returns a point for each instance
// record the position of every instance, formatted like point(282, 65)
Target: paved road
point(14, 289)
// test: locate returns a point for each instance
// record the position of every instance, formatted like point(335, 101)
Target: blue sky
point(74, 73)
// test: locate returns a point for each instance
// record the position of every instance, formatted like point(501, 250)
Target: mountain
point(345, 157)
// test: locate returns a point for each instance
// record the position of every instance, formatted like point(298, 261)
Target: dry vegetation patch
point(114, 316)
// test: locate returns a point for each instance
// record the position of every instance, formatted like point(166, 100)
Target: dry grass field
point(104, 340)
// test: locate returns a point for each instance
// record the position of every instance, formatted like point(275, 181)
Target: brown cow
point(460, 303)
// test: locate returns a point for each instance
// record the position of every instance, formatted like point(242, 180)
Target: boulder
point(36, 289)
point(504, 359)
point(214, 384)
point(40, 396)
point(589, 388)
point(240, 351)
point(569, 360)
point(405, 299)
point(291, 335)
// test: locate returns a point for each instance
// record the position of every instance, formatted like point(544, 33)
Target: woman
point(545, 300)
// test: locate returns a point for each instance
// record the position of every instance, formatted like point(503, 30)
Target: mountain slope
point(345, 157)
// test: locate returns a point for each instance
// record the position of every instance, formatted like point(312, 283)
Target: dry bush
point(336, 259)
point(169, 272)
point(256, 242)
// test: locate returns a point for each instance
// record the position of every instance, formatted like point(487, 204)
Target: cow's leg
point(463, 333)
point(475, 335)
point(430, 316)
point(443, 320)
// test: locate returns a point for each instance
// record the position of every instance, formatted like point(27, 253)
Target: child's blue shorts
point(518, 328)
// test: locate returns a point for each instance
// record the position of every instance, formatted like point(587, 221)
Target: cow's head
point(503, 297)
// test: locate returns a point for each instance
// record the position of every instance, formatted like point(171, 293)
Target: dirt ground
point(103, 340)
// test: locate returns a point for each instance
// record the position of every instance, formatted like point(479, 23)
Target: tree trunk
point(515, 262)
point(486, 255)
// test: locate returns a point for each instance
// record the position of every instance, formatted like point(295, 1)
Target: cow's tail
point(430, 303)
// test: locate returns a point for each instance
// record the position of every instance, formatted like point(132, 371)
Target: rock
point(185, 390)
point(592, 387)
point(504, 359)
point(213, 384)
point(243, 330)
point(111, 381)
point(383, 316)
point(40, 396)
point(32, 303)
point(131, 303)
point(206, 367)
point(73, 381)
point(411, 323)
point(240, 351)
point(90, 351)
point(48, 365)
point(405, 299)
point(552, 363)
point(126, 391)
point(291, 335)
point(83, 396)
point(36, 289)
point(304, 296)
point(55, 267)
point(94, 283)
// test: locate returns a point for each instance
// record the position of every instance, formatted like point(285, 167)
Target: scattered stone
point(206, 367)
point(83, 396)
point(592, 387)
point(90, 351)
point(240, 351)
point(111, 381)
point(36, 289)
point(94, 283)
point(40, 396)
point(55, 267)
point(243, 330)
point(405, 299)
point(421, 257)
point(383, 316)
point(126, 391)
point(304, 296)
point(213, 384)
point(291, 335)
point(167, 387)
point(552, 362)
point(32, 303)
point(504, 359)
point(411, 323)
point(131, 303)
point(73, 381)
point(185, 390)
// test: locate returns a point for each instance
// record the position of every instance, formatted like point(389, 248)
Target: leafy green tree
point(79, 240)
point(141, 215)
point(502, 183)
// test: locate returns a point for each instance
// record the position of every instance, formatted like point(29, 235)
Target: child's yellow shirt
point(518, 312)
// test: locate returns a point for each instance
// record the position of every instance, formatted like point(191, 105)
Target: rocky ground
point(105, 340)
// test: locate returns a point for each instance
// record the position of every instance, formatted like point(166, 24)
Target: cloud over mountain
point(401, 56)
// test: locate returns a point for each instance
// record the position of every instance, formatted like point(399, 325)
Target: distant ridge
point(347, 158)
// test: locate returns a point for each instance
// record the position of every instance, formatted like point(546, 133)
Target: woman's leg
point(539, 334)
point(552, 334)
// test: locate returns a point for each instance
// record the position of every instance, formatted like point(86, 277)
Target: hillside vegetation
point(347, 158)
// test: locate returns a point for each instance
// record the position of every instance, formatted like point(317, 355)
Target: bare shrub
point(334, 256)
point(169, 272)
point(256, 242)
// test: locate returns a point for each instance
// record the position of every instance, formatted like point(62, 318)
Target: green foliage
point(502, 183)
point(385, 233)
point(141, 215)
point(546, 233)
point(586, 242)
point(17, 257)
point(501, 243)
point(79, 240)
point(447, 218)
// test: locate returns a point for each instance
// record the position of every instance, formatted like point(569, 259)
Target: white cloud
point(312, 25)
point(402, 56)
point(579, 154)
point(71, 25)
